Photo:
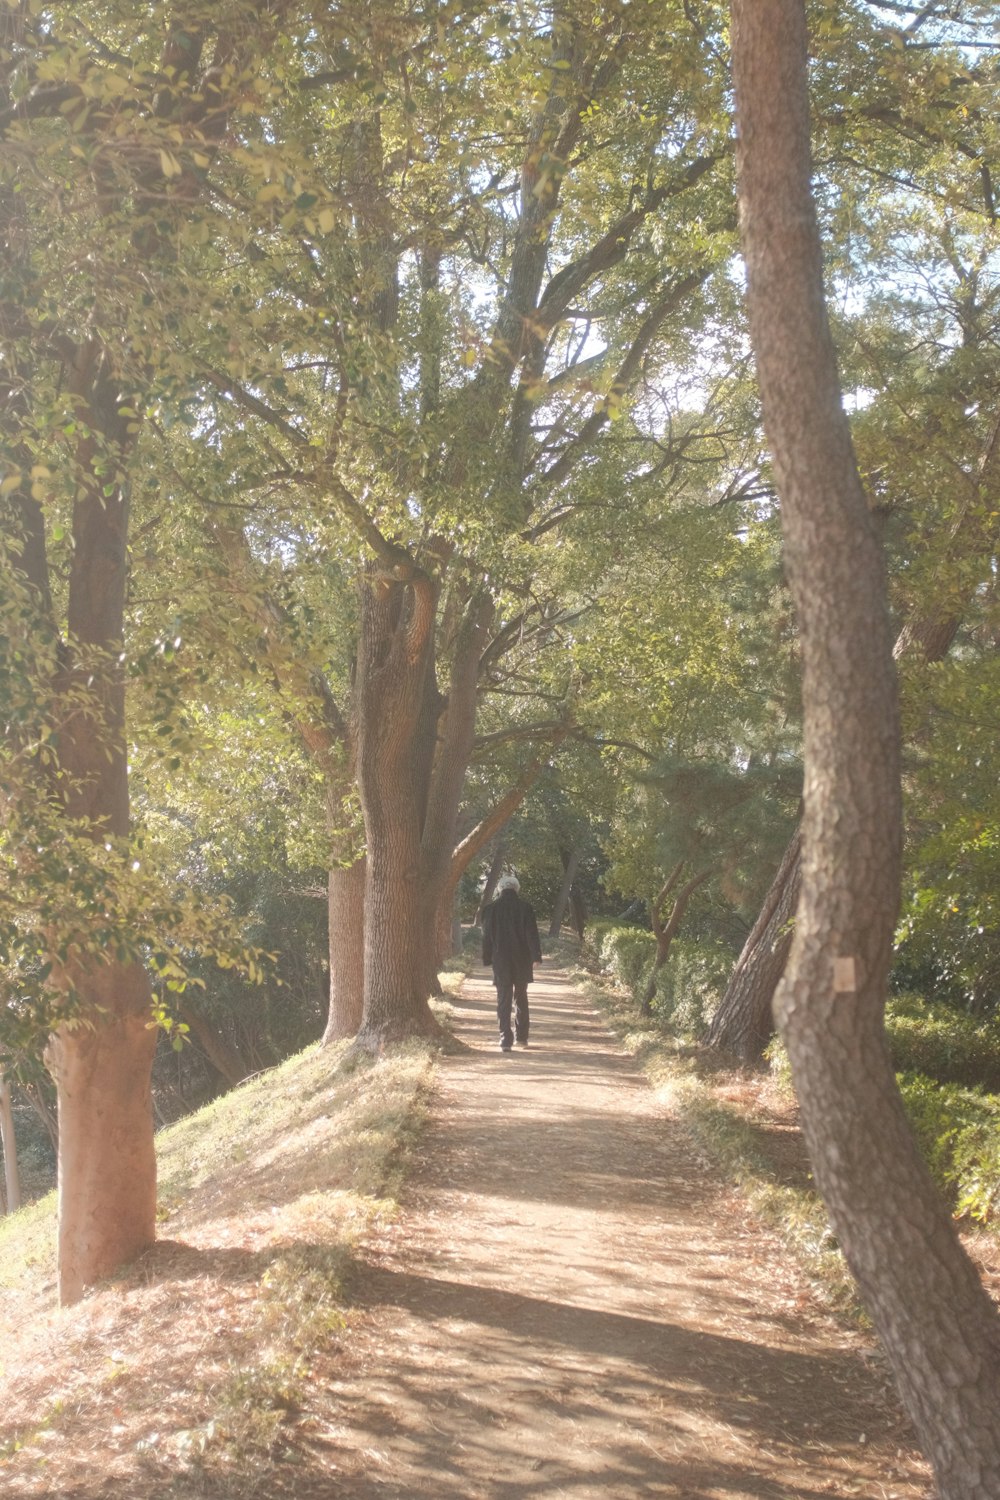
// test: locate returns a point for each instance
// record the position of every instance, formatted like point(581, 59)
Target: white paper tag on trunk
point(844, 982)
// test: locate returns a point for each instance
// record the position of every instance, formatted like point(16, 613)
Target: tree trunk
point(394, 654)
point(447, 772)
point(102, 1067)
point(224, 1057)
point(743, 1024)
point(571, 863)
point(8, 1141)
point(939, 1328)
point(665, 935)
point(492, 876)
point(346, 903)
point(578, 911)
point(107, 1165)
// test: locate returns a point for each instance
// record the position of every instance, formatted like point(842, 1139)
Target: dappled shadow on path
point(573, 1308)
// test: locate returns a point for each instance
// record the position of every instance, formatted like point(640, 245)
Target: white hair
point(508, 883)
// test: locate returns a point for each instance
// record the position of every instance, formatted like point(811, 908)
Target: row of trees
point(379, 424)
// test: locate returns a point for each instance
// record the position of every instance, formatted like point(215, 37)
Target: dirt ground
point(571, 1307)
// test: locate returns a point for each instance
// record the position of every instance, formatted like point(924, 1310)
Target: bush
point(959, 1133)
point(624, 954)
point(943, 1044)
point(689, 986)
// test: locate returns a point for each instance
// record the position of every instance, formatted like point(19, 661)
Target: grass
point(728, 1114)
point(264, 1197)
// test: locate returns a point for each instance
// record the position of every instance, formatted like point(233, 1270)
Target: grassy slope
point(197, 1359)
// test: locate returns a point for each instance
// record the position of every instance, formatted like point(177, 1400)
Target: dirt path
point(570, 1306)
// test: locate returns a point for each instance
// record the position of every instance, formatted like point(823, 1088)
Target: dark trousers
point(512, 993)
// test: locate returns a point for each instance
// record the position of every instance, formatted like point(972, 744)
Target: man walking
point(511, 945)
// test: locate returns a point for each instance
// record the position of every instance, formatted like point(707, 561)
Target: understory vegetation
point(265, 1193)
point(948, 1071)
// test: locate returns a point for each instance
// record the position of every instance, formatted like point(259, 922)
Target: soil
point(572, 1306)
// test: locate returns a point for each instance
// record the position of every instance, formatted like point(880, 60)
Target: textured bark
point(226, 1059)
point(394, 654)
point(451, 754)
point(492, 876)
point(571, 863)
point(667, 931)
point(939, 1328)
point(102, 1065)
point(8, 1141)
point(346, 905)
point(744, 1022)
point(107, 1165)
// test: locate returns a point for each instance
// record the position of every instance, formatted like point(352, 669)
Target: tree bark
point(102, 1063)
point(571, 863)
point(743, 1024)
point(665, 933)
point(939, 1328)
point(225, 1058)
point(107, 1164)
point(447, 771)
point(492, 876)
point(346, 904)
point(8, 1141)
point(394, 654)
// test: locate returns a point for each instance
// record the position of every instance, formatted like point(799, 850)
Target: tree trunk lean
point(571, 863)
point(492, 876)
point(665, 935)
point(743, 1024)
point(8, 1141)
point(346, 906)
point(939, 1328)
point(225, 1058)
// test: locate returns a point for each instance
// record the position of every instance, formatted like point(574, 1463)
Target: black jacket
point(510, 938)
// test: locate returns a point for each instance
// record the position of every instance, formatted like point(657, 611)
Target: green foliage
point(690, 985)
point(624, 954)
point(943, 1044)
point(959, 1134)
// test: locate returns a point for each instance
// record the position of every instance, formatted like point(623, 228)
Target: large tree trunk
point(744, 1022)
point(570, 863)
point(106, 1164)
point(492, 876)
point(394, 654)
point(8, 1142)
point(346, 905)
point(939, 1328)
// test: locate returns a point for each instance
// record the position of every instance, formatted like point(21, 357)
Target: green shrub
point(626, 955)
point(959, 1133)
point(689, 986)
point(943, 1044)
